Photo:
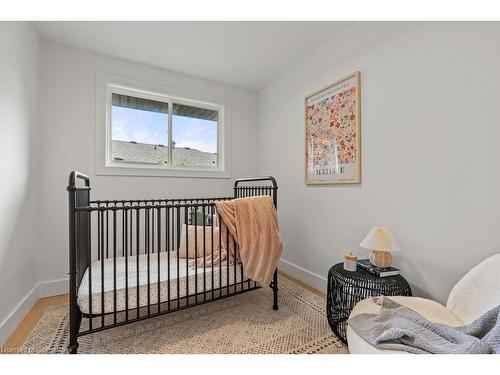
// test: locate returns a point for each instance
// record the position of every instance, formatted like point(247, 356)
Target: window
point(157, 133)
point(139, 130)
point(194, 136)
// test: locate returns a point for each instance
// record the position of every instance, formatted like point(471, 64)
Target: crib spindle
point(137, 241)
point(114, 266)
point(227, 260)
point(168, 249)
point(101, 214)
point(148, 261)
point(204, 254)
point(125, 249)
point(186, 219)
point(195, 254)
point(220, 255)
point(89, 262)
point(158, 264)
point(178, 212)
point(212, 286)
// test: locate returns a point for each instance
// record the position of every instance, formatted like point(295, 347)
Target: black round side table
point(346, 289)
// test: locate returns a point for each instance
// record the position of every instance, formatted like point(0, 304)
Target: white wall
point(430, 157)
point(67, 113)
point(19, 58)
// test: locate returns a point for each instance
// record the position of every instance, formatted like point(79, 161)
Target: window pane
point(139, 130)
point(194, 133)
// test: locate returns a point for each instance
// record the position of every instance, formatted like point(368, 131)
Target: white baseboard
point(18, 313)
point(307, 277)
point(52, 288)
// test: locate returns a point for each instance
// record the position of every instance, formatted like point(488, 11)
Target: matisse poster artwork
point(332, 132)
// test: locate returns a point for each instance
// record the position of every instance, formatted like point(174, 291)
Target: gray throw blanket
point(397, 327)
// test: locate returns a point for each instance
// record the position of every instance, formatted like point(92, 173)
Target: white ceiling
point(244, 54)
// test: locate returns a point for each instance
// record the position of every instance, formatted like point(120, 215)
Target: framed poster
point(332, 127)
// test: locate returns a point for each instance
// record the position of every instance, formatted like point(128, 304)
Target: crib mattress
point(184, 278)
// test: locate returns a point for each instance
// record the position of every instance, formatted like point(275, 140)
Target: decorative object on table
point(382, 243)
point(350, 262)
point(366, 265)
point(346, 289)
point(332, 127)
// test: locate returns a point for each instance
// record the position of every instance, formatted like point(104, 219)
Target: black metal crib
point(124, 263)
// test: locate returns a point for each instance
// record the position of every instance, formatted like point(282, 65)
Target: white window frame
point(107, 84)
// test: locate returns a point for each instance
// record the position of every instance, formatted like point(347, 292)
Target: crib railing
point(126, 263)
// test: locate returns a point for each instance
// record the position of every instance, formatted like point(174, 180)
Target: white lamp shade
point(380, 239)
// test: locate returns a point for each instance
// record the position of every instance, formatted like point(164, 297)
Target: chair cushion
point(427, 308)
point(478, 291)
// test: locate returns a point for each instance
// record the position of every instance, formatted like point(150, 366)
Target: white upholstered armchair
point(477, 292)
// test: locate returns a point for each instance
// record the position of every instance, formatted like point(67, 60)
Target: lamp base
point(381, 259)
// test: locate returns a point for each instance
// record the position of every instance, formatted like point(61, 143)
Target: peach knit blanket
point(251, 223)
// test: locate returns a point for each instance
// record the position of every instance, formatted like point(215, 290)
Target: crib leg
point(75, 318)
point(73, 347)
point(73, 341)
point(275, 290)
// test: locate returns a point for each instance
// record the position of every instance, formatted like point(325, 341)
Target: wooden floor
point(23, 330)
point(19, 336)
point(303, 285)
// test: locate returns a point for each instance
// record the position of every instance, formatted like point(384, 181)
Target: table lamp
point(382, 243)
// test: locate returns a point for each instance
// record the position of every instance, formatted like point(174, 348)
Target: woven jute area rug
point(242, 324)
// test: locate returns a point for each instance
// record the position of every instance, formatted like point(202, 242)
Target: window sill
point(160, 172)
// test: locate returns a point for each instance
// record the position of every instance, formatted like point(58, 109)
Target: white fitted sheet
point(184, 278)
